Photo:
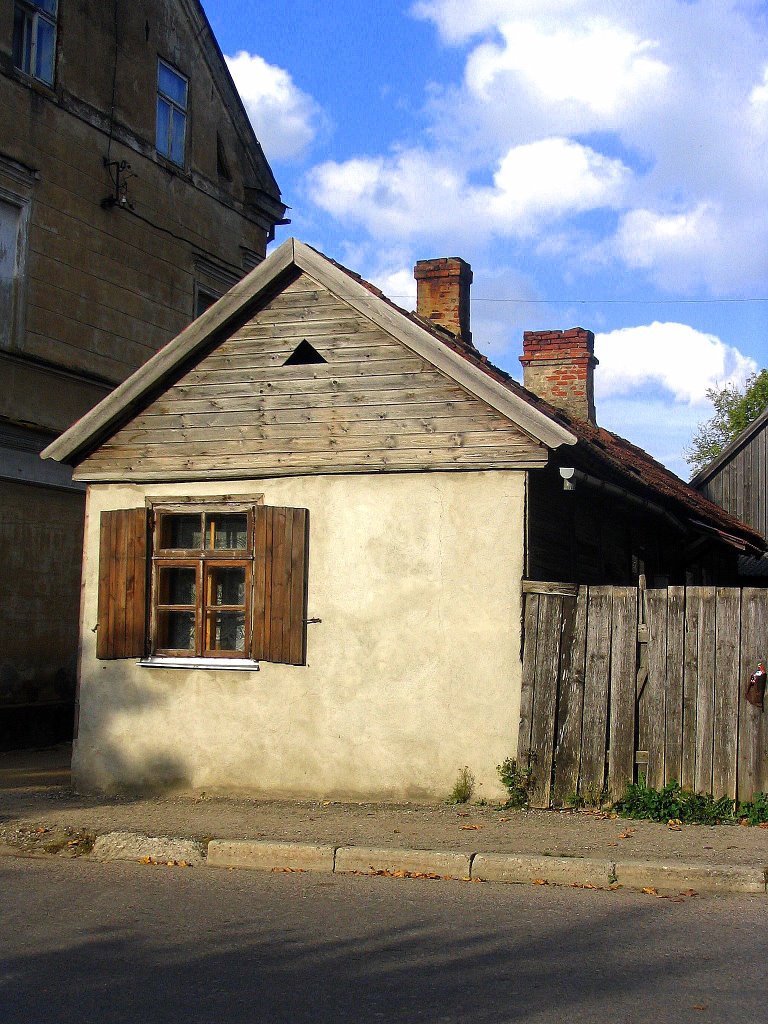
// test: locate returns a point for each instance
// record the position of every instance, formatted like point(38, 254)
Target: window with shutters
point(225, 581)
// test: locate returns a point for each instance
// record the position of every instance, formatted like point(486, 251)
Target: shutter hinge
point(312, 620)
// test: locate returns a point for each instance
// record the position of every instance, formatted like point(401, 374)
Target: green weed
point(516, 781)
point(674, 802)
point(463, 788)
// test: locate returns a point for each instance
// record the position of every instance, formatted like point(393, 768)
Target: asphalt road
point(83, 942)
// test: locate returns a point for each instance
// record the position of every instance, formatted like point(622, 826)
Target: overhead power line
point(602, 302)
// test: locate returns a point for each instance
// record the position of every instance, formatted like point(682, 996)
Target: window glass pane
point(46, 44)
point(178, 127)
point(49, 6)
point(178, 585)
point(181, 532)
point(227, 531)
point(163, 121)
point(226, 585)
point(226, 632)
point(22, 40)
point(176, 631)
point(171, 84)
point(10, 216)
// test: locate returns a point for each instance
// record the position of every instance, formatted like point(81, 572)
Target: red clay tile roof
point(597, 450)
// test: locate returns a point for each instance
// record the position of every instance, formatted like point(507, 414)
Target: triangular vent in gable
point(303, 355)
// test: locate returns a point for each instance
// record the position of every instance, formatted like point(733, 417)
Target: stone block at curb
point(445, 863)
point(498, 867)
point(131, 846)
point(641, 874)
point(265, 856)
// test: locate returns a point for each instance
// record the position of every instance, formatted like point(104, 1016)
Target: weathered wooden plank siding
point(690, 723)
point(372, 405)
point(740, 484)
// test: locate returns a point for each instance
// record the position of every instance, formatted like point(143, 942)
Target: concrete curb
point(641, 874)
point(494, 867)
point(160, 849)
point(586, 872)
point(390, 861)
point(265, 856)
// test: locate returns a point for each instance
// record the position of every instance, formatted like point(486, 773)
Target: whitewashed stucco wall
point(413, 672)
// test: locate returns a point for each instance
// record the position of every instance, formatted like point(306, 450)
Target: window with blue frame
point(171, 113)
point(34, 38)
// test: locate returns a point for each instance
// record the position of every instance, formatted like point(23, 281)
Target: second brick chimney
point(558, 366)
point(442, 294)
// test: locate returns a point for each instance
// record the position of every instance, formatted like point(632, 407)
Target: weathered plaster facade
point(413, 672)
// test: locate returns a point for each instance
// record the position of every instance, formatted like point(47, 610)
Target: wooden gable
point(310, 385)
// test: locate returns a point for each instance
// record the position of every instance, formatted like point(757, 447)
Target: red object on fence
point(756, 687)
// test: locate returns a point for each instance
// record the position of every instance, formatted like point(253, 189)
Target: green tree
point(734, 410)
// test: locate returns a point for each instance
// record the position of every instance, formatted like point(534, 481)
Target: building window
point(171, 113)
point(223, 580)
point(34, 38)
point(201, 583)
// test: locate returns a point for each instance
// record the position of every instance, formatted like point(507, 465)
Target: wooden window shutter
point(122, 584)
point(281, 539)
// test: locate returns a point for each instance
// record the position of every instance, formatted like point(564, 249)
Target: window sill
point(227, 664)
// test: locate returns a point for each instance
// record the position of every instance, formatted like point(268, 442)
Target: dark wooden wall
point(586, 537)
point(740, 484)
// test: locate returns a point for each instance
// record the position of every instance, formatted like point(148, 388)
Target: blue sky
point(599, 163)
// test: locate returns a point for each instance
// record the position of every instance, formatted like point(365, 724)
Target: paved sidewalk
point(40, 813)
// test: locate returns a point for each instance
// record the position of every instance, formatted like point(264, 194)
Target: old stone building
point(133, 192)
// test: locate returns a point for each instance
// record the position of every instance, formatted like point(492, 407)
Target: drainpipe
point(572, 476)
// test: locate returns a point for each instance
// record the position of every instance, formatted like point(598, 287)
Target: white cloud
point(677, 90)
point(599, 66)
point(420, 193)
point(285, 118)
point(676, 357)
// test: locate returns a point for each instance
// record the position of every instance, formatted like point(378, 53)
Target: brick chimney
point(442, 294)
point(559, 366)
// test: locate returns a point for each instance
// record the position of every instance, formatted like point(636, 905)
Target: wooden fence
point(619, 681)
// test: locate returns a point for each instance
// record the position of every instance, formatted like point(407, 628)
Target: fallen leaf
point(744, 822)
point(540, 881)
point(290, 871)
point(470, 828)
point(509, 819)
point(41, 830)
point(689, 892)
point(699, 1006)
point(675, 825)
point(626, 835)
point(650, 891)
point(763, 824)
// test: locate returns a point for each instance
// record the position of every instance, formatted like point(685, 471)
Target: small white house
point(304, 545)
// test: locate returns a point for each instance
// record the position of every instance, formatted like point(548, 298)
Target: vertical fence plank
point(751, 755)
point(621, 751)
point(653, 700)
point(690, 687)
point(673, 726)
point(726, 703)
point(545, 697)
point(530, 634)
point(705, 693)
point(596, 688)
point(571, 699)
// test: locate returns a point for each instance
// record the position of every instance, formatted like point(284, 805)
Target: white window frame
point(33, 14)
point(172, 104)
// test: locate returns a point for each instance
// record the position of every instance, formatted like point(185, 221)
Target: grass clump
point(672, 802)
point(463, 788)
point(516, 781)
